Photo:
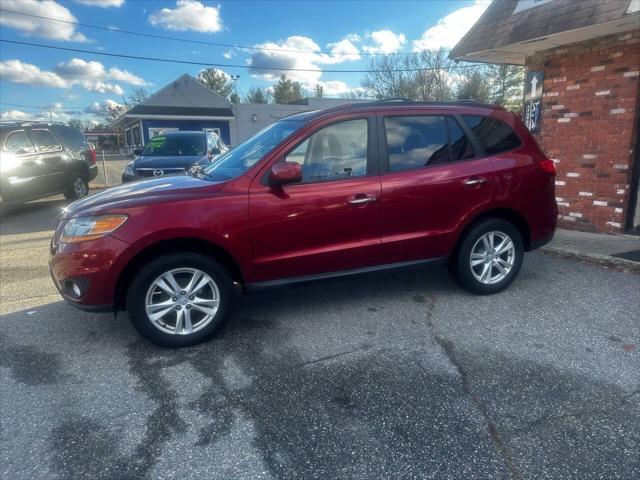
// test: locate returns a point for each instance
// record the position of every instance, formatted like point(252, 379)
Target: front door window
point(335, 152)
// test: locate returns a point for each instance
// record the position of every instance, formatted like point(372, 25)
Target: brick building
point(589, 55)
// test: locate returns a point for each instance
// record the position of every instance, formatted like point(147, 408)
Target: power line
point(201, 42)
point(223, 65)
point(46, 107)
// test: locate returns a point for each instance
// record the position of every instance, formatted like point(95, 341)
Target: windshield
point(233, 163)
point(176, 146)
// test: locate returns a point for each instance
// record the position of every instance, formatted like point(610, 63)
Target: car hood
point(160, 189)
point(168, 161)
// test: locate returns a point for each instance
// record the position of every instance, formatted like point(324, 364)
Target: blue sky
point(296, 34)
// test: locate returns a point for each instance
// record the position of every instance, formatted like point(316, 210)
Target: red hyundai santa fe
point(350, 189)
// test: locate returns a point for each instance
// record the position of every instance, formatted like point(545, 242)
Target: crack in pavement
point(496, 437)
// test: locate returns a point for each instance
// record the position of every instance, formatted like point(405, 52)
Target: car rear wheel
point(489, 257)
point(180, 299)
point(77, 188)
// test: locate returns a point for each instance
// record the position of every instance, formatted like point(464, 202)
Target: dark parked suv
point(42, 159)
point(319, 194)
point(174, 152)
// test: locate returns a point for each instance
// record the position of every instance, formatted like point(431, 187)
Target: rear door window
point(495, 136)
point(45, 141)
point(19, 143)
point(414, 142)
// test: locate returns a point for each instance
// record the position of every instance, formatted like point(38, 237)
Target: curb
point(602, 260)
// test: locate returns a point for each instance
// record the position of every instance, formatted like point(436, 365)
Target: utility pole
point(235, 83)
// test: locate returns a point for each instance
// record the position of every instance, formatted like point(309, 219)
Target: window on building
point(336, 151)
point(19, 143)
point(495, 136)
point(417, 141)
point(136, 135)
point(45, 141)
point(127, 135)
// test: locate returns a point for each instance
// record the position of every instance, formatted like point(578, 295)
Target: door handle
point(361, 200)
point(475, 181)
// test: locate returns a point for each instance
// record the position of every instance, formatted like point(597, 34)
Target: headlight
point(82, 229)
point(128, 170)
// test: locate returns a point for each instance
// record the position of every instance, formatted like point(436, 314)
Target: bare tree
point(137, 96)
point(475, 85)
point(423, 76)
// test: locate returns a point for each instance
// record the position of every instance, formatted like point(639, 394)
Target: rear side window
point(45, 141)
point(414, 142)
point(19, 143)
point(495, 136)
point(72, 137)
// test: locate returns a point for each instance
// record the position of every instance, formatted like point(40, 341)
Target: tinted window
point(337, 151)
point(494, 135)
point(176, 145)
point(461, 148)
point(71, 137)
point(416, 141)
point(18, 141)
point(45, 141)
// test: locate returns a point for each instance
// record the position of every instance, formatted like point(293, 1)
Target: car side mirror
point(214, 151)
point(21, 151)
point(283, 173)
point(137, 151)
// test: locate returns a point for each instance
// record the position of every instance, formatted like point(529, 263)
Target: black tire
point(77, 187)
point(460, 266)
point(139, 288)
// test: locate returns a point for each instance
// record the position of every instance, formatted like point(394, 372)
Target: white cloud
point(342, 51)
point(101, 3)
point(56, 115)
point(31, 26)
point(450, 29)
point(229, 54)
point(188, 15)
point(104, 107)
point(91, 75)
point(337, 88)
point(126, 77)
point(18, 72)
point(384, 42)
point(298, 52)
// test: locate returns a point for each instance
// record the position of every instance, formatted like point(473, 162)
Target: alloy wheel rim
point(492, 257)
point(182, 301)
point(79, 187)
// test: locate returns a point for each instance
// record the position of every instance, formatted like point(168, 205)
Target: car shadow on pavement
point(31, 217)
point(294, 388)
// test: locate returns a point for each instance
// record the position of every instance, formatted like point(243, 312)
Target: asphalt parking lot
point(385, 376)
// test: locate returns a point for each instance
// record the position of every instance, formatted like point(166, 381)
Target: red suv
point(319, 194)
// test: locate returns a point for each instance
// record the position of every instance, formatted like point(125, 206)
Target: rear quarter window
point(71, 137)
point(495, 136)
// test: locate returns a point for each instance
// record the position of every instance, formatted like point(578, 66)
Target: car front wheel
point(489, 257)
point(180, 299)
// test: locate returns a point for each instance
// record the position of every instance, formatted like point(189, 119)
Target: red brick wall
point(588, 126)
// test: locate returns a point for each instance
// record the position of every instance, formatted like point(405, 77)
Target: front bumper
point(86, 273)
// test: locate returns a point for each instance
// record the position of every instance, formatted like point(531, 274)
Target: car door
point(50, 159)
point(433, 176)
point(330, 221)
point(21, 174)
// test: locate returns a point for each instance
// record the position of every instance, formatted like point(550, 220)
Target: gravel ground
point(389, 375)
